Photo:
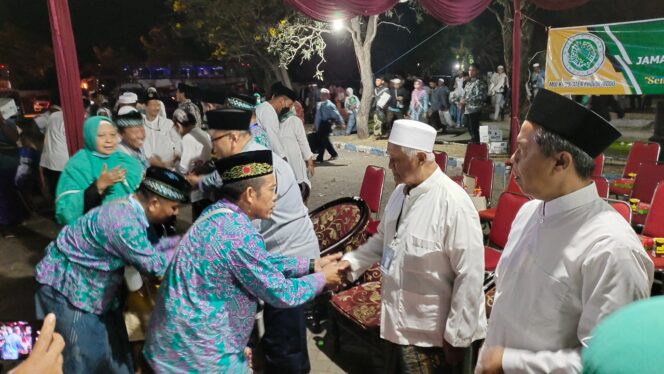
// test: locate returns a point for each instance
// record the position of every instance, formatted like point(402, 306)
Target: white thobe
point(433, 287)
point(268, 118)
point(162, 140)
point(55, 153)
point(296, 146)
point(196, 150)
point(567, 264)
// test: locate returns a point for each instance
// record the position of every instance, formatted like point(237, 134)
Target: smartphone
point(17, 339)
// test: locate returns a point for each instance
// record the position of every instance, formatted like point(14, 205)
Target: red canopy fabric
point(330, 10)
point(455, 12)
point(69, 78)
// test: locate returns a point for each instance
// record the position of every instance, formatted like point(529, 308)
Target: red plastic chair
point(599, 165)
point(648, 176)
point(602, 185)
point(507, 207)
point(640, 153)
point(372, 192)
point(441, 160)
point(654, 223)
point(474, 150)
point(488, 214)
point(621, 207)
point(482, 169)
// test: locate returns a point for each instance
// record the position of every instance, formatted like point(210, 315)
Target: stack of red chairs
point(640, 153)
point(474, 150)
point(648, 175)
point(488, 215)
point(372, 193)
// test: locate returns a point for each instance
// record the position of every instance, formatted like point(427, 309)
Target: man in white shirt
point(268, 114)
point(497, 90)
point(196, 151)
point(55, 154)
point(162, 140)
point(570, 259)
point(429, 244)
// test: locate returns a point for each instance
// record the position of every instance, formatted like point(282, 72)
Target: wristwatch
point(312, 266)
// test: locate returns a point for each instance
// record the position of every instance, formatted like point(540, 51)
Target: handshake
point(333, 269)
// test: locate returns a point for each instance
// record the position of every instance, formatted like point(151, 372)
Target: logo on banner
point(583, 54)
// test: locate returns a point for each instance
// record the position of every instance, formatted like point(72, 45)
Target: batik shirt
point(260, 135)
point(85, 263)
point(137, 154)
point(474, 95)
point(207, 302)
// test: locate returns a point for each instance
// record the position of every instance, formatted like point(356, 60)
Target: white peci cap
point(413, 134)
point(126, 109)
point(324, 91)
point(536, 65)
point(128, 98)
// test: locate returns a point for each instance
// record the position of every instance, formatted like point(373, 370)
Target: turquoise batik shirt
point(85, 263)
point(260, 135)
point(206, 306)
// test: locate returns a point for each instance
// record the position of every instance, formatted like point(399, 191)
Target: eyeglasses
point(221, 137)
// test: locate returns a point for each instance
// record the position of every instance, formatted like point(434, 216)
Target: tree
point(300, 36)
point(235, 30)
point(504, 13)
point(31, 60)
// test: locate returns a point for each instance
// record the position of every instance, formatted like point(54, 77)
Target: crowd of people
point(570, 260)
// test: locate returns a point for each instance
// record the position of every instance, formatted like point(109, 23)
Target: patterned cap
point(166, 183)
point(245, 165)
point(131, 119)
point(242, 102)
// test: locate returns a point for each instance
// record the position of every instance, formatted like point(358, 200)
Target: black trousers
point(473, 122)
point(285, 341)
point(324, 143)
point(435, 122)
point(52, 178)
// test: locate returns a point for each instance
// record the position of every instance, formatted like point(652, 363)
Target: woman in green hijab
point(96, 174)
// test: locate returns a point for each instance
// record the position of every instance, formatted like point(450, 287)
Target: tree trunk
point(362, 46)
point(284, 77)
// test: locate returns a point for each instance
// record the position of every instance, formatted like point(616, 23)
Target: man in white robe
point(429, 243)
point(570, 259)
point(268, 113)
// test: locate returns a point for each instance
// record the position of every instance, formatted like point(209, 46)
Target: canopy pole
point(516, 75)
point(66, 65)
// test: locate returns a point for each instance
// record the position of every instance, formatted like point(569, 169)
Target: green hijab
point(84, 168)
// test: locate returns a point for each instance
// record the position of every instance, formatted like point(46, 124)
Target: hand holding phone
point(46, 357)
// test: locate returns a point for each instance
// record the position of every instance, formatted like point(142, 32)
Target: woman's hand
point(107, 178)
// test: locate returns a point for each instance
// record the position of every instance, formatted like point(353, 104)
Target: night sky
point(120, 23)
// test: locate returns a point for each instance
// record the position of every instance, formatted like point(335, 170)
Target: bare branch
point(394, 24)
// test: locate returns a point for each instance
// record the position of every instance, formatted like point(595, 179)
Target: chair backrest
point(599, 165)
point(340, 225)
point(640, 152)
point(648, 175)
point(474, 150)
point(372, 187)
point(508, 206)
point(482, 169)
point(602, 185)
point(654, 226)
point(621, 207)
point(512, 186)
point(441, 160)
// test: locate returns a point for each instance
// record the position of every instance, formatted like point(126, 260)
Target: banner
point(612, 59)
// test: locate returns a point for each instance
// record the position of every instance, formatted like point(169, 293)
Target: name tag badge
point(386, 260)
